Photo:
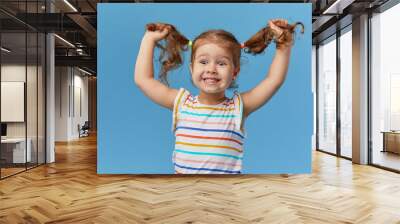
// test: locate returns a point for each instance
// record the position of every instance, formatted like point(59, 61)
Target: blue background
point(134, 134)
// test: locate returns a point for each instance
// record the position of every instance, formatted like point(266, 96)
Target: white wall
point(80, 84)
point(61, 103)
point(70, 84)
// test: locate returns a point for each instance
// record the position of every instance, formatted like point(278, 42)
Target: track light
point(65, 41)
point(5, 50)
point(70, 5)
point(84, 71)
point(337, 7)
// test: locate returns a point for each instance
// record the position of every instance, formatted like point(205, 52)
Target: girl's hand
point(282, 31)
point(156, 32)
point(277, 26)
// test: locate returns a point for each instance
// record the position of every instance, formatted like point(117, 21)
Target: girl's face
point(212, 68)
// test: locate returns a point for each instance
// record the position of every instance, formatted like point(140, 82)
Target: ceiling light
point(5, 49)
point(64, 40)
point(71, 6)
point(338, 6)
point(84, 71)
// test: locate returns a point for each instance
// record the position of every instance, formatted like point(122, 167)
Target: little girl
point(209, 127)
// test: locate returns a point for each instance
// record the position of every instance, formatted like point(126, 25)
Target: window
point(385, 89)
point(327, 95)
point(346, 75)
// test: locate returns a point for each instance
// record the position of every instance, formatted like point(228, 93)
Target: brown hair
point(223, 39)
point(176, 43)
point(170, 57)
point(259, 41)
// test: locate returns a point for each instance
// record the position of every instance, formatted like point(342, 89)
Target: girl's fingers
point(164, 32)
point(272, 25)
point(275, 27)
point(281, 23)
point(166, 26)
point(160, 26)
point(151, 27)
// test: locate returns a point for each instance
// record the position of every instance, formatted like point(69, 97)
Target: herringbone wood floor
point(70, 191)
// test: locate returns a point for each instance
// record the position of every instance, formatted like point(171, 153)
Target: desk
point(17, 150)
point(391, 141)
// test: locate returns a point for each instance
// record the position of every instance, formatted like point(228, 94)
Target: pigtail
point(259, 41)
point(170, 56)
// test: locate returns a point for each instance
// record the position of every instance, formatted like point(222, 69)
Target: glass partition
point(327, 95)
point(385, 89)
point(346, 92)
point(13, 108)
point(22, 77)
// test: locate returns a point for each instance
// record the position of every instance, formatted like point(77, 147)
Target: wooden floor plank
point(70, 191)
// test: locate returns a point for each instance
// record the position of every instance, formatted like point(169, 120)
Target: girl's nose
point(211, 68)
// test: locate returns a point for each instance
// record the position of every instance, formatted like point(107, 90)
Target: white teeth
point(210, 80)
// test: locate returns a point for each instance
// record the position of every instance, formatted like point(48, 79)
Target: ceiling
point(76, 22)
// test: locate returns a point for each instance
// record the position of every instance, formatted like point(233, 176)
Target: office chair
point(84, 130)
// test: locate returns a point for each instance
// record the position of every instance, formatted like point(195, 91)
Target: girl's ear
point(236, 73)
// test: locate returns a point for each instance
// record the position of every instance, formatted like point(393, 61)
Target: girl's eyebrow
point(202, 55)
point(225, 57)
point(206, 55)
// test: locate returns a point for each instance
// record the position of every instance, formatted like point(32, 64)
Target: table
point(16, 147)
point(391, 141)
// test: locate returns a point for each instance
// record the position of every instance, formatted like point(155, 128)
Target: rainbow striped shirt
point(209, 138)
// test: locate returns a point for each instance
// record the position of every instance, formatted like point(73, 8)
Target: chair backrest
point(86, 125)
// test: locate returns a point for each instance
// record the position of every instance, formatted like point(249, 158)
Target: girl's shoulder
point(183, 94)
point(237, 100)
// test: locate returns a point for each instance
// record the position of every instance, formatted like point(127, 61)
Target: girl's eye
point(221, 63)
point(203, 62)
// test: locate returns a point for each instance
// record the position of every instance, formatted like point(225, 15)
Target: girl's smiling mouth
point(210, 80)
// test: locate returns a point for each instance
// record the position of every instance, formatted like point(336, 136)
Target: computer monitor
point(3, 129)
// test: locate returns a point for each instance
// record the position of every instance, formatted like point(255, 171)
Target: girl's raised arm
point(144, 71)
point(259, 95)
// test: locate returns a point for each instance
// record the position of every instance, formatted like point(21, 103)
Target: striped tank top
point(208, 138)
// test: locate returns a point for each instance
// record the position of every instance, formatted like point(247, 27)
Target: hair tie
point(190, 43)
point(242, 45)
